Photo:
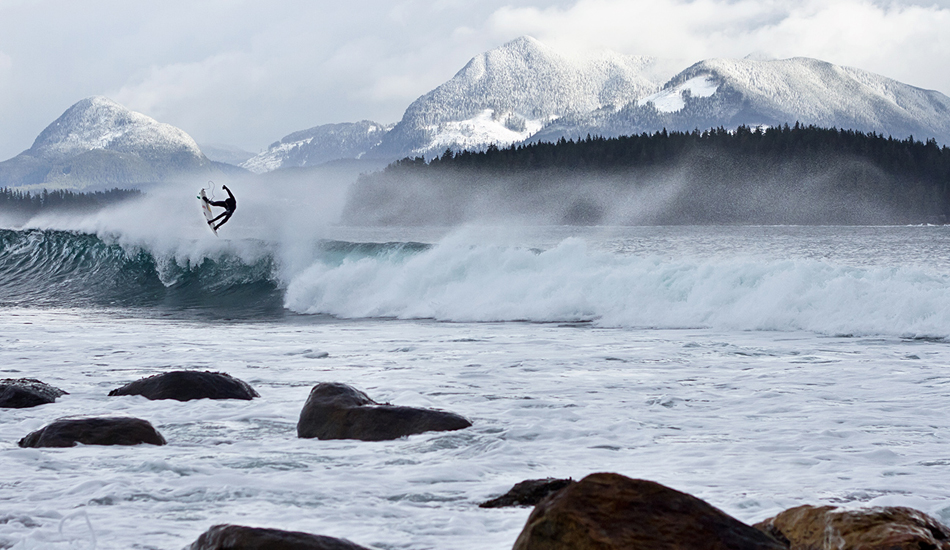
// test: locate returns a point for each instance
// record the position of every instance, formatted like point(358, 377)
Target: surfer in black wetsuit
point(229, 204)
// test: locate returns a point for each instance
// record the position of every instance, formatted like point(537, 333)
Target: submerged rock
point(21, 393)
point(610, 511)
point(880, 528)
point(67, 432)
point(338, 411)
point(185, 385)
point(238, 537)
point(528, 493)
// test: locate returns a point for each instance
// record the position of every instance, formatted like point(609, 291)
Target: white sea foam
point(460, 281)
point(754, 422)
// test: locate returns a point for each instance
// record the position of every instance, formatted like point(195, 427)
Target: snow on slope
point(504, 95)
point(730, 92)
point(100, 123)
point(820, 93)
point(318, 145)
point(671, 100)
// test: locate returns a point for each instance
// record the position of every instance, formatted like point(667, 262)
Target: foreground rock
point(338, 411)
point(21, 393)
point(610, 511)
point(94, 431)
point(528, 493)
point(885, 528)
point(238, 537)
point(185, 385)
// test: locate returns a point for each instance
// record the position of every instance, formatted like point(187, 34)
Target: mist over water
point(703, 188)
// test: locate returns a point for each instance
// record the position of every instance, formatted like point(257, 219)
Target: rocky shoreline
point(603, 511)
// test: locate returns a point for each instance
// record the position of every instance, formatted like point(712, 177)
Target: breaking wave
point(457, 280)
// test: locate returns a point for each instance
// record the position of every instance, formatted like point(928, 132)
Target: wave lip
point(457, 281)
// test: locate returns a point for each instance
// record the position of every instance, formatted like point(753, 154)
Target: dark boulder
point(528, 493)
point(610, 511)
point(879, 528)
point(238, 537)
point(185, 385)
point(21, 393)
point(67, 432)
point(338, 411)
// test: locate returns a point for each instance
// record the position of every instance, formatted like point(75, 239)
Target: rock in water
point(879, 528)
point(610, 511)
point(185, 385)
point(67, 432)
point(528, 493)
point(26, 392)
point(338, 411)
point(238, 537)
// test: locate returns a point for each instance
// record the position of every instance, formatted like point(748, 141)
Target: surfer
point(229, 204)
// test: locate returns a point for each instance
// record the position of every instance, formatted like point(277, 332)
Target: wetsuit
point(229, 204)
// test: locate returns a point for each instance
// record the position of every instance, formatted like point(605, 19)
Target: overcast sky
point(246, 73)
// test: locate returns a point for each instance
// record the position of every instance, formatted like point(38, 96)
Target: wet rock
point(880, 528)
point(238, 537)
point(338, 411)
point(528, 493)
point(67, 432)
point(610, 511)
point(185, 385)
point(21, 393)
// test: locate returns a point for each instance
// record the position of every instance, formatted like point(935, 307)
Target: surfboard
point(206, 210)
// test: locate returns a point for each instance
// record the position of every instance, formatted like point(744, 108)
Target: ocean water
point(758, 368)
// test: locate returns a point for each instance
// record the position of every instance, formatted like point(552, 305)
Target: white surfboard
point(206, 210)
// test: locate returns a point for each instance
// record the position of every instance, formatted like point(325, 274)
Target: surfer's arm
point(225, 187)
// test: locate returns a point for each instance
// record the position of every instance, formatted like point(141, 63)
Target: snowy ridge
point(820, 93)
point(100, 123)
point(732, 92)
point(503, 95)
point(318, 145)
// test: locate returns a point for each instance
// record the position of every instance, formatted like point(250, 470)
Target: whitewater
point(757, 368)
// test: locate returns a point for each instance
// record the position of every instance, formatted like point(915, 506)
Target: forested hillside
point(795, 175)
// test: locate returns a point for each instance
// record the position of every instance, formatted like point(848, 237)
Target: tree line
point(26, 203)
point(908, 157)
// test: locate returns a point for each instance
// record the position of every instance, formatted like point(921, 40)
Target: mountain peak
point(98, 122)
point(506, 94)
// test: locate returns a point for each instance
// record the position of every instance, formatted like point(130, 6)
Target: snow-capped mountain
point(99, 143)
point(730, 92)
point(318, 145)
point(508, 94)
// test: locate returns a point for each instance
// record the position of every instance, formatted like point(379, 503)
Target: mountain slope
point(729, 93)
point(318, 145)
point(507, 94)
point(98, 143)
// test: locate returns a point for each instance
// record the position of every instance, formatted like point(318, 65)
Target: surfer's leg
point(227, 216)
point(218, 217)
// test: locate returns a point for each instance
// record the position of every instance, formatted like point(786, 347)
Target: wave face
point(69, 269)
